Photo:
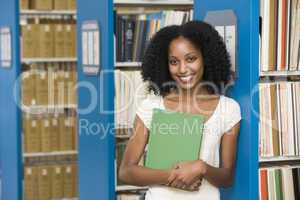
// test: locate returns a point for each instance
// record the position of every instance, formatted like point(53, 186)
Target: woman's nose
point(182, 68)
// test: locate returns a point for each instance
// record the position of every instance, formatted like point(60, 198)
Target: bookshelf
point(124, 69)
point(153, 3)
point(49, 132)
point(280, 74)
point(279, 98)
point(48, 60)
point(128, 65)
point(11, 153)
point(42, 108)
point(96, 156)
point(55, 153)
point(280, 161)
point(40, 13)
point(17, 157)
point(55, 119)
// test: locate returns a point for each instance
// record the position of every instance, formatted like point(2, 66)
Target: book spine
point(129, 39)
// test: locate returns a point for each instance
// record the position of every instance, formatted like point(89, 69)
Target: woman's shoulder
point(230, 107)
point(230, 113)
point(230, 103)
point(145, 108)
point(150, 102)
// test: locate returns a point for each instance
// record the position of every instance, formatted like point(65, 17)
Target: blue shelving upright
point(10, 115)
point(244, 91)
point(96, 151)
point(96, 148)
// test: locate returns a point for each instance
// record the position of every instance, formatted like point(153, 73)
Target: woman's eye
point(191, 59)
point(172, 62)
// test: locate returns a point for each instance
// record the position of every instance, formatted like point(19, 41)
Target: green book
point(278, 184)
point(174, 137)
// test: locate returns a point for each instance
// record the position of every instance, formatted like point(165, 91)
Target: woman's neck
point(190, 95)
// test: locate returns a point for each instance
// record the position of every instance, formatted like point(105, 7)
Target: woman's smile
point(186, 79)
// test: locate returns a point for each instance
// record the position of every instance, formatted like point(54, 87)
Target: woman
point(188, 69)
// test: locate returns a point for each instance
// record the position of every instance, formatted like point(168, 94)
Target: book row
point(50, 182)
point(49, 133)
point(133, 32)
point(50, 160)
point(48, 39)
point(48, 4)
point(130, 90)
point(49, 85)
point(280, 35)
point(279, 119)
point(282, 183)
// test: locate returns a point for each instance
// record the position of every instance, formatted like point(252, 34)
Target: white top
point(225, 116)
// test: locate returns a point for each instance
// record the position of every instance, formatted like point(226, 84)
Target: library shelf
point(36, 109)
point(47, 60)
point(279, 73)
point(128, 64)
point(50, 12)
point(279, 159)
point(153, 2)
point(54, 153)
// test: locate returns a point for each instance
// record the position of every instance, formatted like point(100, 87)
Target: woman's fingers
point(177, 184)
point(172, 177)
point(195, 185)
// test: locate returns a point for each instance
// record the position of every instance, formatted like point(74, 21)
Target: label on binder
point(54, 121)
point(90, 47)
point(33, 123)
point(5, 47)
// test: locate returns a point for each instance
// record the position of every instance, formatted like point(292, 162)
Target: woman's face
point(185, 63)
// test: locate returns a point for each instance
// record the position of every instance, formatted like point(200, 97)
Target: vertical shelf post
point(95, 127)
point(10, 115)
point(247, 12)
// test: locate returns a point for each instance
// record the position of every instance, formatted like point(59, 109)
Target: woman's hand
point(187, 175)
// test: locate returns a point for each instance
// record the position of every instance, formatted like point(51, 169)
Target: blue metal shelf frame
point(245, 92)
point(10, 114)
point(96, 148)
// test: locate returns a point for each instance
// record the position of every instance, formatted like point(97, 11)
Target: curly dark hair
point(216, 60)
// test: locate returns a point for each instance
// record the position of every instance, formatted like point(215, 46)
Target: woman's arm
point(224, 176)
point(129, 171)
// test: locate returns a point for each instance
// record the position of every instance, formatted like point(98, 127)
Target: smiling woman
point(187, 68)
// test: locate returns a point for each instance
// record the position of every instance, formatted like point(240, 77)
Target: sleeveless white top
point(225, 116)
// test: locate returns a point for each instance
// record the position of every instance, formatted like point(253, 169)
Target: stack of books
point(49, 38)
point(279, 119)
point(130, 91)
point(48, 4)
point(279, 183)
point(133, 32)
point(280, 47)
point(50, 182)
